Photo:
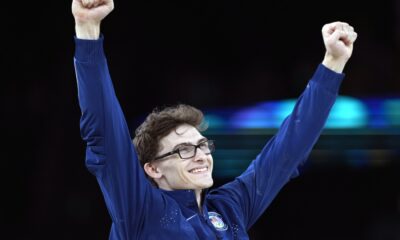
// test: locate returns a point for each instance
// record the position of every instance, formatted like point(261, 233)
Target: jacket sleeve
point(110, 154)
point(278, 161)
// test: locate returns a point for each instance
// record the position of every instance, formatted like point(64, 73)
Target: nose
point(200, 155)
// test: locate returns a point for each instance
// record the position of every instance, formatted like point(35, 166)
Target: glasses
point(188, 150)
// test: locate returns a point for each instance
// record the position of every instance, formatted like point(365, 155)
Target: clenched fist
point(338, 39)
point(88, 15)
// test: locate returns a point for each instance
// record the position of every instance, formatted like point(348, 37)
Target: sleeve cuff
point(89, 50)
point(331, 80)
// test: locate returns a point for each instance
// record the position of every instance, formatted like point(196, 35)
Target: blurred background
point(243, 63)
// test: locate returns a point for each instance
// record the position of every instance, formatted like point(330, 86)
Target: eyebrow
point(203, 139)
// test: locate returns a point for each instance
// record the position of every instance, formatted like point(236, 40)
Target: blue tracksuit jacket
point(140, 211)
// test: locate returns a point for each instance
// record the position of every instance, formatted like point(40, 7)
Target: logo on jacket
point(217, 222)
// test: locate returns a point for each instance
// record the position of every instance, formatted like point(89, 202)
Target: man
point(169, 199)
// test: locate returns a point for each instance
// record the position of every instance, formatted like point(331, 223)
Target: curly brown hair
point(159, 124)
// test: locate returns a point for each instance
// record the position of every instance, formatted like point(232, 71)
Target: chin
point(207, 183)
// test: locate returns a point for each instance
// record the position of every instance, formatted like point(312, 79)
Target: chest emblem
point(217, 222)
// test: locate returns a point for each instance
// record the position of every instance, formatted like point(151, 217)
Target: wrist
point(334, 63)
point(89, 31)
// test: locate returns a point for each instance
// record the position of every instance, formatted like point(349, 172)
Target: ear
point(152, 170)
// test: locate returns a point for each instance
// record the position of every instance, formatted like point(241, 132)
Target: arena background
point(225, 57)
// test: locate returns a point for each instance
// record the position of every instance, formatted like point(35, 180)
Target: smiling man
point(184, 160)
point(157, 187)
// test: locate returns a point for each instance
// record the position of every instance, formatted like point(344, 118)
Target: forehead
point(182, 134)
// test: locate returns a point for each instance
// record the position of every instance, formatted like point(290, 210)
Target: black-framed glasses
point(187, 151)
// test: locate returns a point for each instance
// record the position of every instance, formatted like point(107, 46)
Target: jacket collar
point(187, 198)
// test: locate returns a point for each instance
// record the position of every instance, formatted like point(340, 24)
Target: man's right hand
point(338, 38)
point(88, 15)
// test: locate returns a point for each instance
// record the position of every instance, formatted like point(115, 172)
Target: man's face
point(176, 173)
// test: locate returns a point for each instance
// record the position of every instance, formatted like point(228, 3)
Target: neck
point(198, 197)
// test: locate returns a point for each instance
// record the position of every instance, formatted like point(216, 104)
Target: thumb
point(339, 35)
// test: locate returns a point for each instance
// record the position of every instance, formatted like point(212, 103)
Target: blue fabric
point(139, 210)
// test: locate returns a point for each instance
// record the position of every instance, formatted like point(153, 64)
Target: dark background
point(211, 54)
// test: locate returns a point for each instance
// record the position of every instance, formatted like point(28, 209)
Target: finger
point(336, 35)
point(350, 28)
point(97, 3)
point(352, 36)
point(346, 38)
point(88, 3)
point(330, 28)
point(91, 3)
point(339, 36)
point(342, 24)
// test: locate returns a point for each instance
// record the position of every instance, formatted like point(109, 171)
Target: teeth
point(198, 170)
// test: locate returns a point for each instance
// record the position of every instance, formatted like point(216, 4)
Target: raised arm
point(110, 154)
point(278, 162)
